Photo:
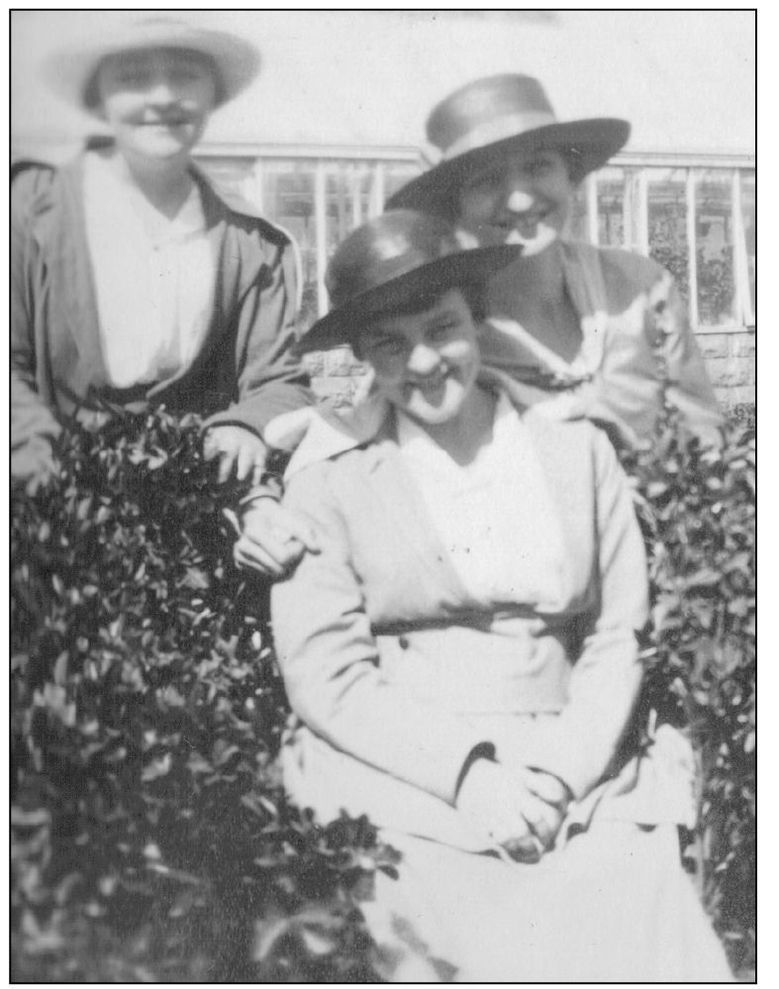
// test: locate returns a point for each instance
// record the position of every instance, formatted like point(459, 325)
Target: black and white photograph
point(297, 296)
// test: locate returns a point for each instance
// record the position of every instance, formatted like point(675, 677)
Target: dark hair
point(474, 292)
point(91, 96)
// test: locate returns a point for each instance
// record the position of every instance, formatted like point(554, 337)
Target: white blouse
point(154, 278)
point(495, 516)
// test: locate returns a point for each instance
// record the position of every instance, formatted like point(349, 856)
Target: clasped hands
point(520, 809)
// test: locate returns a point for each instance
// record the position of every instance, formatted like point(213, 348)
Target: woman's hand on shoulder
point(240, 451)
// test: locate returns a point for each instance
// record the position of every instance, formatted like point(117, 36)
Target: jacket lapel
point(584, 281)
point(396, 496)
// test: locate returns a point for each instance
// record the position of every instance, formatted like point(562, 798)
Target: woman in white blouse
point(461, 652)
point(133, 279)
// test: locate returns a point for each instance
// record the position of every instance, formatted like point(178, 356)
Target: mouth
point(429, 387)
point(524, 226)
point(165, 123)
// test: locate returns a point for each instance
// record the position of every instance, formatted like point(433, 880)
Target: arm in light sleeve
point(330, 663)
point(271, 378)
point(606, 677)
point(33, 423)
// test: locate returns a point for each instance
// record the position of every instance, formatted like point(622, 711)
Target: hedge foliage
point(151, 837)
point(697, 511)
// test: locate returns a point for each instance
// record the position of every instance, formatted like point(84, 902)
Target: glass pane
point(667, 208)
point(234, 175)
point(748, 215)
point(348, 186)
point(611, 206)
point(288, 197)
point(577, 218)
point(714, 254)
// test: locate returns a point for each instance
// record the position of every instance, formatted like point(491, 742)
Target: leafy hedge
point(697, 512)
point(151, 837)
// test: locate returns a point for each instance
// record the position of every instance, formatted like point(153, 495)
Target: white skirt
point(612, 905)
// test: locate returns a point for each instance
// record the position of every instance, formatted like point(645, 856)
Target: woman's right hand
point(502, 805)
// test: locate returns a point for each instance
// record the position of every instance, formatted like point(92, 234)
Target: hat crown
point(386, 248)
point(481, 105)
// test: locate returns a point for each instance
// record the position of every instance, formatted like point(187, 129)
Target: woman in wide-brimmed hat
point(133, 279)
point(594, 332)
point(461, 653)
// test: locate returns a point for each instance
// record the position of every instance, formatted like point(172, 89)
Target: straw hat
point(390, 260)
point(496, 116)
point(71, 71)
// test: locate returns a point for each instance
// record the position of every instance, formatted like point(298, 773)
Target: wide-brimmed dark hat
point(71, 71)
point(388, 261)
point(493, 117)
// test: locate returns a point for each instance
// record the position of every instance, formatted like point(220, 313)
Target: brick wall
point(335, 375)
point(730, 361)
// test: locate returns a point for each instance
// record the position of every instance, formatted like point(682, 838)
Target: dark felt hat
point(391, 259)
point(497, 116)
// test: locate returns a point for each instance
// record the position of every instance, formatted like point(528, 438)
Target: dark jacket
point(638, 351)
point(245, 372)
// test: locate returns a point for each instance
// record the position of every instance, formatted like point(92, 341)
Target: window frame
point(635, 168)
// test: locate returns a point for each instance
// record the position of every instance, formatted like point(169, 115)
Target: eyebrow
point(140, 58)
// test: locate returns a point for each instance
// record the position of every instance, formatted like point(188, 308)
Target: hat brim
point(344, 324)
point(68, 72)
point(587, 144)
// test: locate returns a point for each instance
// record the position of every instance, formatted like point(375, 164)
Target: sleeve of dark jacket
point(33, 423)
point(271, 379)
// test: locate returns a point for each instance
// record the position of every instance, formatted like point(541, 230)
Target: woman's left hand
point(547, 787)
point(240, 451)
point(544, 809)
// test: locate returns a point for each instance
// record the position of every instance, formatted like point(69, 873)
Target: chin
point(433, 415)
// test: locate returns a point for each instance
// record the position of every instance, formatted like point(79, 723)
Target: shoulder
point(620, 269)
point(330, 485)
point(574, 447)
point(562, 433)
point(240, 213)
point(32, 184)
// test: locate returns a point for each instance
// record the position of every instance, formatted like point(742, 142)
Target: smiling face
point(426, 363)
point(156, 101)
point(524, 199)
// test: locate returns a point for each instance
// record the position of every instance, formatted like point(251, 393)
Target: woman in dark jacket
point(133, 279)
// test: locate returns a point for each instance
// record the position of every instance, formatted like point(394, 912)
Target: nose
point(422, 360)
point(519, 200)
point(518, 194)
point(161, 90)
